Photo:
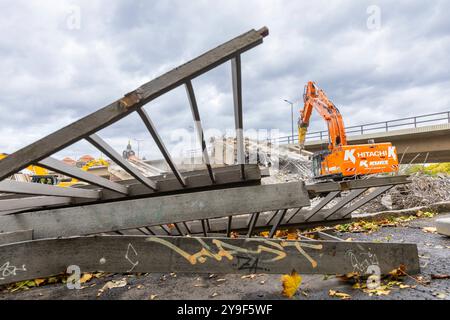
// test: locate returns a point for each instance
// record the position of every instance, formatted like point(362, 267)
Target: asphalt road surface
point(434, 252)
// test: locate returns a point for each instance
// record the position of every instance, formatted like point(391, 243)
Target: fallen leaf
point(425, 214)
point(215, 294)
point(234, 235)
point(360, 285)
point(99, 274)
point(349, 276)
point(262, 282)
point(249, 276)
point(429, 229)
point(281, 234)
point(140, 287)
point(399, 272)
point(440, 295)
point(221, 280)
point(153, 296)
point(86, 277)
point(38, 282)
point(381, 291)
point(113, 284)
point(290, 283)
point(292, 236)
point(337, 294)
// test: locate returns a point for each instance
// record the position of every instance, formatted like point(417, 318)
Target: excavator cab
point(317, 160)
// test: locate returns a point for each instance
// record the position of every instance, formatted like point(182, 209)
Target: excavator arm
point(315, 98)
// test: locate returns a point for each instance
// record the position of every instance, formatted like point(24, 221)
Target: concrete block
point(443, 226)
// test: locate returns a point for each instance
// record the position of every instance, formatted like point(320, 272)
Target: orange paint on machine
point(341, 160)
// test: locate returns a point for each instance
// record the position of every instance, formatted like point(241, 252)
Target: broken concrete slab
point(106, 217)
point(443, 226)
point(137, 254)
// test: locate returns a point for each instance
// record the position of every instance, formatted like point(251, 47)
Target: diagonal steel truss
point(170, 221)
point(40, 152)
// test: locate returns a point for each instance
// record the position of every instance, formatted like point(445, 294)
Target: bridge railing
point(385, 126)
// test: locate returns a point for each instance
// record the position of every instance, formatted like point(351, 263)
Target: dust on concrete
point(434, 254)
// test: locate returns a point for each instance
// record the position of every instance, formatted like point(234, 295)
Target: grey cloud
point(51, 76)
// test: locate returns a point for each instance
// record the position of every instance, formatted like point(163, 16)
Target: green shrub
point(431, 170)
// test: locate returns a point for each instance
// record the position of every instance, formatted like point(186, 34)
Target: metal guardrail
point(385, 126)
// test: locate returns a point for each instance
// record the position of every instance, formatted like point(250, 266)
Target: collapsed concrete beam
point(128, 214)
point(16, 236)
point(125, 254)
point(10, 186)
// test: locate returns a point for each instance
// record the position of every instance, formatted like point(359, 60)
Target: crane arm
point(315, 98)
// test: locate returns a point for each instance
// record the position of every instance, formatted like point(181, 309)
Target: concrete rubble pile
point(424, 190)
point(284, 164)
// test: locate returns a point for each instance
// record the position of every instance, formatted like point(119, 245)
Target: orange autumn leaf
point(399, 272)
point(38, 282)
point(292, 236)
point(281, 233)
point(86, 277)
point(337, 294)
point(291, 283)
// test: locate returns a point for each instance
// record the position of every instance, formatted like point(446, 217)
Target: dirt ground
point(434, 252)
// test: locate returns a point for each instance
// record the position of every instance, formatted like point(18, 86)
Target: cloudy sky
point(61, 60)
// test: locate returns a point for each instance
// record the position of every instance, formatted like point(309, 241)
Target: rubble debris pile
point(423, 190)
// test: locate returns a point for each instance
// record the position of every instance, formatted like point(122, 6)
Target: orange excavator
point(342, 160)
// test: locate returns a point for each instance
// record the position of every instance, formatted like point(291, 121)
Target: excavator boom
point(315, 98)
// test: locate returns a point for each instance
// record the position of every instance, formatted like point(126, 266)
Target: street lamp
point(292, 116)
